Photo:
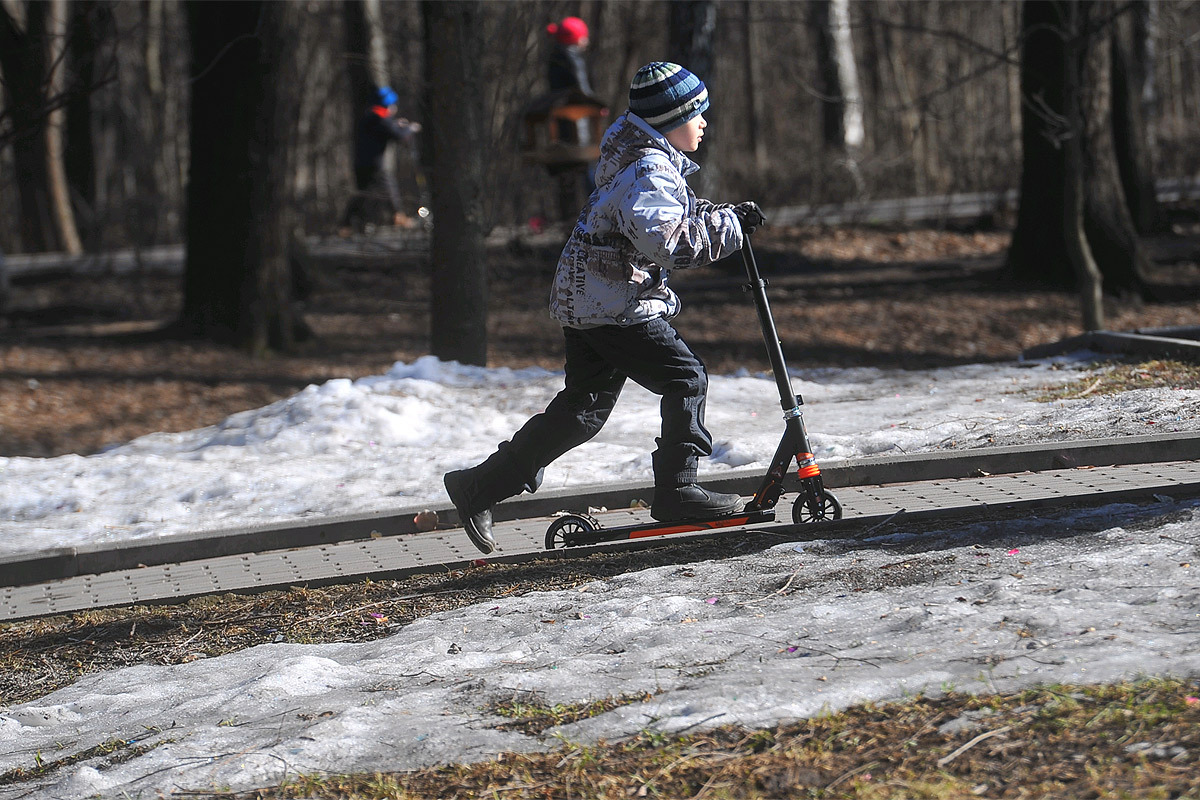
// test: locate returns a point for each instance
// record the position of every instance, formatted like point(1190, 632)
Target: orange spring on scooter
point(808, 466)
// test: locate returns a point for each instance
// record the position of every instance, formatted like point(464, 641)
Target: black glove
point(750, 215)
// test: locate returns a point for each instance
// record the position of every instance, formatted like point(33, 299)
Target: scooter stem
point(788, 399)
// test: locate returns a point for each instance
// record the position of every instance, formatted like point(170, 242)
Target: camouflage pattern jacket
point(641, 222)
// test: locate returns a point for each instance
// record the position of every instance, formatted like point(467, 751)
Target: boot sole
point(708, 513)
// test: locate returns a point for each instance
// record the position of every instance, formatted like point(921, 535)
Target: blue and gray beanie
point(666, 95)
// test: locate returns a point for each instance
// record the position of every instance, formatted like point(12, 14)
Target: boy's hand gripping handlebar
point(750, 216)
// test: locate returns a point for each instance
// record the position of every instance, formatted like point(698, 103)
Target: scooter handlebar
point(749, 215)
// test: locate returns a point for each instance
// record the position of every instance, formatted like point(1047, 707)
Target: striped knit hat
point(666, 95)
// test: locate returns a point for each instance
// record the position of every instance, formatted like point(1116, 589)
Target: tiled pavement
point(390, 556)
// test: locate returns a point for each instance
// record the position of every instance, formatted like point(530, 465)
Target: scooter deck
point(649, 529)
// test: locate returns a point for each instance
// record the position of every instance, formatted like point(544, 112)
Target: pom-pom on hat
point(666, 95)
point(570, 31)
point(387, 96)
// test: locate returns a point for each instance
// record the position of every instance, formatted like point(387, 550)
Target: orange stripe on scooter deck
point(691, 526)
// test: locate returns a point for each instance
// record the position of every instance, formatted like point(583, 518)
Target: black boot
point(474, 491)
point(674, 503)
point(476, 518)
point(677, 496)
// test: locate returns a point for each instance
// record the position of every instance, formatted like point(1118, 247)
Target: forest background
point(937, 89)
point(119, 117)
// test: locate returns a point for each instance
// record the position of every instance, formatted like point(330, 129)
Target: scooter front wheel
point(562, 531)
point(828, 508)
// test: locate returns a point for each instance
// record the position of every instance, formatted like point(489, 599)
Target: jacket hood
point(629, 138)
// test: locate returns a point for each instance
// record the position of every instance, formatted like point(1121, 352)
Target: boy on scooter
point(611, 296)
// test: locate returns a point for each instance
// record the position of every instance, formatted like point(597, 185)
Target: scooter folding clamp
point(807, 466)
point(793, 413)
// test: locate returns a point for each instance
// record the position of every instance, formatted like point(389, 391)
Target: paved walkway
point(866, 507)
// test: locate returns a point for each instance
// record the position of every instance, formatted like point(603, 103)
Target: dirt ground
point(83, 367)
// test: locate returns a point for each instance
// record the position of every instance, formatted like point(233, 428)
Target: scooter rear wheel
point(829, 509)
point(562, 531)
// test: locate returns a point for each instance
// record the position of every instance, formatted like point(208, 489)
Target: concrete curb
point(1177, 342)
point(26, 568)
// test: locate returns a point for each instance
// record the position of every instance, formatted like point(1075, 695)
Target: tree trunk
point(837, 76)
point(1038, 253)
point(143, 134)
point(1131, 129)
point(358, 60)
point(833, 123)
point(23, 61)
point(455, 133)
point(271, 319)
point(837, 84)
point(91, 40)
point(57, 189)
point(691, 35)
point(237, 281)
point(1110, 230)
point(377, 50)
point(914, 132)
point(875, 64)
point(758, 143)
point(1010, 19)
point(1079, 253)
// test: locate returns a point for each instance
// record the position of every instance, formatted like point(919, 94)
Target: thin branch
point(944, 760)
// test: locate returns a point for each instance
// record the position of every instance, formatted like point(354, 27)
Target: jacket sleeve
point(704, 206)
point(658, 215)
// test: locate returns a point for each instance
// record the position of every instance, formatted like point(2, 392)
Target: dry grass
point(1127, 375)
point(1128, 741)
point(531, 715)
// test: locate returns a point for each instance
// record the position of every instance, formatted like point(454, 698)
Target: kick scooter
point(815, 503)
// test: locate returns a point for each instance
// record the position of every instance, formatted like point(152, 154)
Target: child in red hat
point(567, 68)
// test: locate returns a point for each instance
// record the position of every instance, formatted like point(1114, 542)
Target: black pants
point(376, 199)
point(598, 362)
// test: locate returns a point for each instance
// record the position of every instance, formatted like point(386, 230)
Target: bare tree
point(358, 59)
point(1039, 250)
point(750, 82)
point(918, 141)
point(1079, 252)
point(238, 279)
point(837, 76)
point(454, 127)
point(59, 195)
point(92, 42)
point(691, 42)
point(1131, 86)
point(837, 84)
point(940, 84)
point(31, 56)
